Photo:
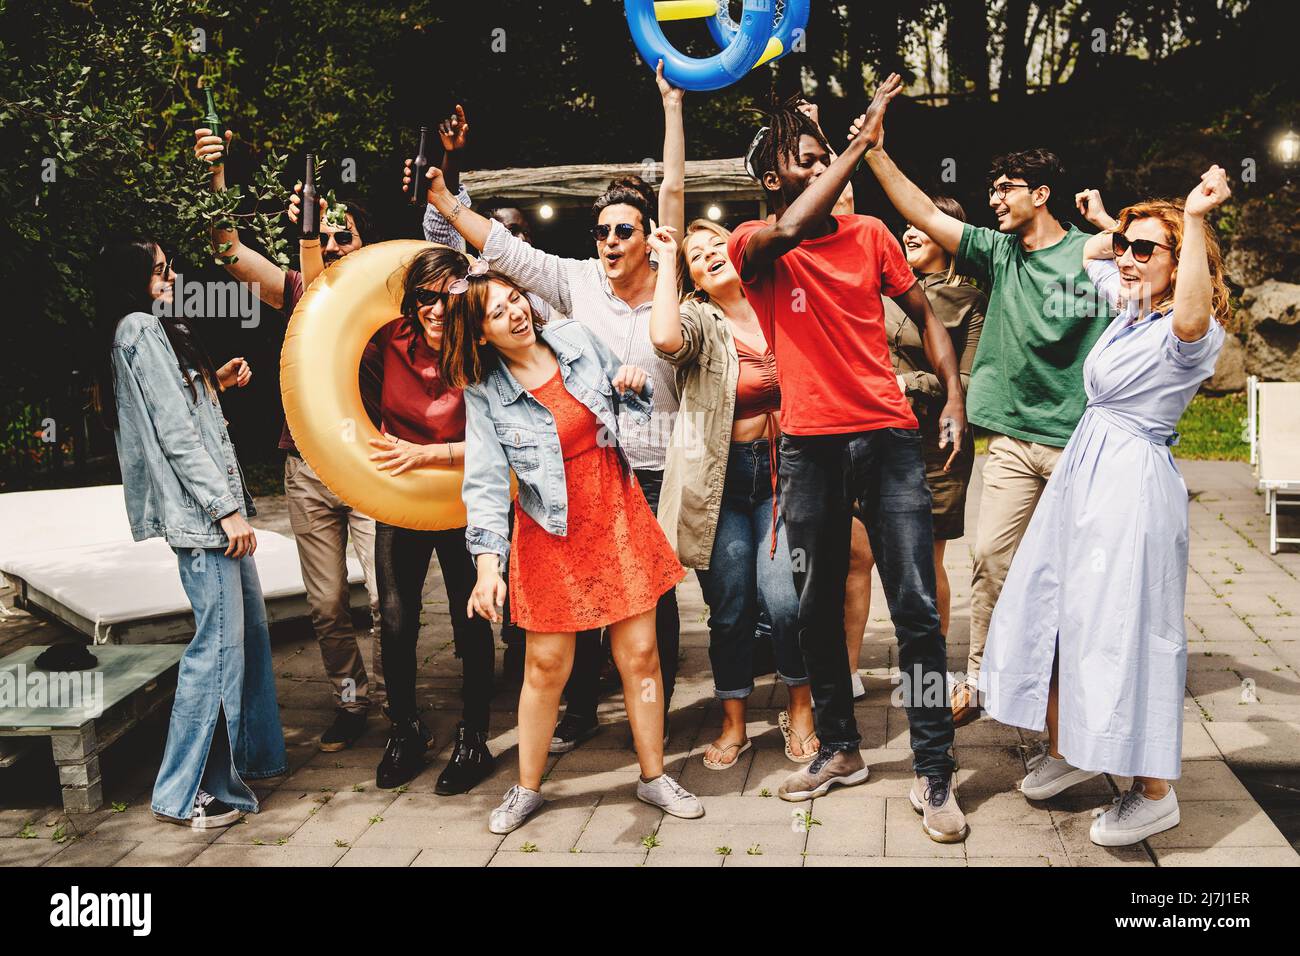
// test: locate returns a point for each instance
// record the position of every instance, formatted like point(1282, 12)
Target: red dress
point(614, 563)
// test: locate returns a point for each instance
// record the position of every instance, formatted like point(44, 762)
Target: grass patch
point(1212, 427)
point(1209, 430)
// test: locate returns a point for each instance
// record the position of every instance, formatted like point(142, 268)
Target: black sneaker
point(571, 731)
point(471, 762)
point(344, 732)
point(209, 813)
point(403, 754)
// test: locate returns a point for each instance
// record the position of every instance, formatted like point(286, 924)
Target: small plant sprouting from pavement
point(651, 841)
point(722, 850)
point(528, 848)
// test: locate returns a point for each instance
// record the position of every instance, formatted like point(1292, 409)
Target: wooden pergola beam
point(579, 184)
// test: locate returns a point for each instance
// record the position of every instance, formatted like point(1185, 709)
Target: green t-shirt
point(1043, 317)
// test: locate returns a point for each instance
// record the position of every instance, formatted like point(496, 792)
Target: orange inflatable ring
point(346, 305)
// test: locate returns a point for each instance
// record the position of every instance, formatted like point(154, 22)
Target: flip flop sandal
point(787, 731)
point(734, 760)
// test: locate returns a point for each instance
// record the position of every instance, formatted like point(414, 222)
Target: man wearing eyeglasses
point(1026, 384)
point(320, 520)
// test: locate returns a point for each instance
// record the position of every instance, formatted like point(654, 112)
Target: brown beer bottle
point(310, 201)
point(420, 166)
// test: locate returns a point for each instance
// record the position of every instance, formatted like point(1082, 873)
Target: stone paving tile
point(556, 827)
point(904, 836)
point(344, 818)
point(92, 853)
point(1258, 744)
point(162, 854)
point(762, 859)
point(17, 851)
point(900, 861)
point(989, 770)
point(1197, 743)
point(424, 820)
point(1229, 857)
point(139, 824)
point(849, 823)
point(580, 860)
point(232, 855)
point(679, 837)
point(693, 860)
point(1220, 823)
point(618, 826)
point(1016, 861)
point(448, 858)
point(280, 815)
point(379, 856)
point(1016, 840)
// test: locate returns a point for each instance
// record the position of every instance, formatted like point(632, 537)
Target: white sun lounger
point(68, 553)
point(1273, 420)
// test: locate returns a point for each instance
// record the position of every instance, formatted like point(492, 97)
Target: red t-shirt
point(819, 306)
point(416, 405)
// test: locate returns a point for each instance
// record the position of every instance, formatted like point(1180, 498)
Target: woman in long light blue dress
point(1087, 635)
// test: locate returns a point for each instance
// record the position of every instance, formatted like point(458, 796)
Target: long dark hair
point(123, 274)
point(438, 266)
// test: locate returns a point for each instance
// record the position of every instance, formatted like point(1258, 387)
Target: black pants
point(584, 682)
point(821, 478)
point(401, 563)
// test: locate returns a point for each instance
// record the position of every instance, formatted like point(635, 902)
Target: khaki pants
point(1014, 477)
point(321, 522)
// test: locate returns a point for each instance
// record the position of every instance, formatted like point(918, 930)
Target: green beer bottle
point(210, 119)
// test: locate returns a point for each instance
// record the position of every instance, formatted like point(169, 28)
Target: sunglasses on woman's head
point(1142, 248)
point(623, 230)
point(460, 286)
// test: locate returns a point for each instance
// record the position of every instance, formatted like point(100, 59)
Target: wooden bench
point(84, 712)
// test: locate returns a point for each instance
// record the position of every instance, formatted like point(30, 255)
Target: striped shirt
point(579, 289)
point(438, 229)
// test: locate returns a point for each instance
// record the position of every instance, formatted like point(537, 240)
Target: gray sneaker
point(1134, 817)
point(935, 798)
point(1050, 775)
point(670, 796)
point(518, 805)
point(828, 768)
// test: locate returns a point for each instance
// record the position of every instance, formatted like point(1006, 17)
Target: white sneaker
point(1050, 775)
point(1133, 817)
point(859, 690)
point(519, 804)
point(670, 796)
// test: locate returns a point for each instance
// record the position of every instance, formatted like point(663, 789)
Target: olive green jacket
point(696, 467)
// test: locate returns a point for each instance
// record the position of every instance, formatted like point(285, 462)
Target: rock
point(1271, 316)
point(1230, 370)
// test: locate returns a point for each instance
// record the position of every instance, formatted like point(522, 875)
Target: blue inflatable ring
point(791, 17)
point(740, 54)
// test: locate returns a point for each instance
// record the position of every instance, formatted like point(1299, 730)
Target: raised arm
point(245, 265)
point(1193, 289)
point(672, 191)
point(913, 204)
point(801, 219)
point(666, 313)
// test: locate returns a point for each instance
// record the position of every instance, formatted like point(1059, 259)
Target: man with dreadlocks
point(815, 279)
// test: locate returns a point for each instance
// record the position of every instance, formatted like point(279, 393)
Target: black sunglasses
point(428, 296)
point(1142, 248)
point(623, 230)
point(343, 237)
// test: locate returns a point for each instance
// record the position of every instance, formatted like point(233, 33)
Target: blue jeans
point(225, 671)
point(744, 576)
point(883, 471)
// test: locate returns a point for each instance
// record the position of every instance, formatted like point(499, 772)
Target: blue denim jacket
point(180, 475)
point(507, 428)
